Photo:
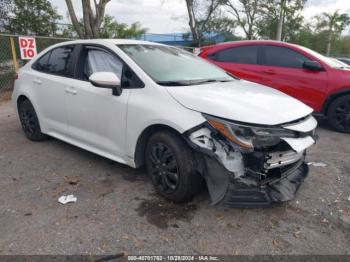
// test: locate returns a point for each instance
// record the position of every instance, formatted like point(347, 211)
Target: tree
point(334, 24)
point(31, 17)
point(281, 21)
point(200, 13)
point(92, 21)
point(113, 29)
point(5, 6)
point(246, 13)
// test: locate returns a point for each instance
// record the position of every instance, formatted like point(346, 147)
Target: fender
point(332, 97)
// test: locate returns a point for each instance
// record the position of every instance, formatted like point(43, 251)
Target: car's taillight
point(15, 76)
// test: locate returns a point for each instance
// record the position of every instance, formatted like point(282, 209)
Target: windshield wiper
point(191, 82)
point(174, 83)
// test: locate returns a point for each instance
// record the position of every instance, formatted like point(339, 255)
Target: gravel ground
point(117, 210)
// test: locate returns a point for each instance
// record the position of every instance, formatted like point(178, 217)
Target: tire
point(30, 122)
point(170, 164)
point(339, 114)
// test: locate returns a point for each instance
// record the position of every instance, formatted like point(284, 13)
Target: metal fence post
point(14, 55)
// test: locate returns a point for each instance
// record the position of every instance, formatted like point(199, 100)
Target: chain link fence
point(10, 59)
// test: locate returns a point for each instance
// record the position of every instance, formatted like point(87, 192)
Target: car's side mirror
point(107, 80)
point(312, 65)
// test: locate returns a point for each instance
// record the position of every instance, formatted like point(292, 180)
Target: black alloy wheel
point(170, 163)
point(29, 121)
point(339, 114)
point(164, 170)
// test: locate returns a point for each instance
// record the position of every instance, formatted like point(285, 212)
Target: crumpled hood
point(242, 101)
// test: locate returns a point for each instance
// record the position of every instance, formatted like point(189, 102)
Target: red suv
point(322, 83)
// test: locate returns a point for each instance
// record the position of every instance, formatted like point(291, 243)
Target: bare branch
point(74, 19)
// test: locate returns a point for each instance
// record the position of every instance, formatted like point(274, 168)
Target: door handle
point(37, 82)
point(70, 91)
point(269, 72)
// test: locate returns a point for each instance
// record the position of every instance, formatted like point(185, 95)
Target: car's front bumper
point(280, 190)
point(250, 191)
point(251, 179)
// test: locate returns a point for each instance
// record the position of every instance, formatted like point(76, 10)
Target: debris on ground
point(67, 199)
point(317, 164)
point(275, 242)
point(297, 234)
point(324, 221)
point(349, 198)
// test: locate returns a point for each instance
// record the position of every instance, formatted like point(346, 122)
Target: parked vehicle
point(322, 83)
point(141, 103)
point(344, 60)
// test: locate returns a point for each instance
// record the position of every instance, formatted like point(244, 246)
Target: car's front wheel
point(30, 122)
point(339, 114)
point(170, 163)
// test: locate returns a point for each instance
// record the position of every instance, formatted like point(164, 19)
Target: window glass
point(40, 65)
point(283, 57)
point(170, 64)
point(330, 62)
point(101, 61)
point(239, 55)
point(59, 60)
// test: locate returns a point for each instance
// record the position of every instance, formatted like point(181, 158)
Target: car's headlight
point(248, 136)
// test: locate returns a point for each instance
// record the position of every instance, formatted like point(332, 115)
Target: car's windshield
point(328, 60)
point(172, 66)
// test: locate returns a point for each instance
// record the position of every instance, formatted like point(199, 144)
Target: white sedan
point(185, 120)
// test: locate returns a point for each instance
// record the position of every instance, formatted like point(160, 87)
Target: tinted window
point(59, 60)
point(239, 55)
point(101, 61)
point(284, 57)
point(40, 65)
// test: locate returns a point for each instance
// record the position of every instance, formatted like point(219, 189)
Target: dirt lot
point(117, 210)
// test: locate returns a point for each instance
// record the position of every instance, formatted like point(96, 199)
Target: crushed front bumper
point(242, 195)
point(250, 192)
point(250, 179)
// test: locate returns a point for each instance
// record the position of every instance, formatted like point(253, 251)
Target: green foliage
point(292, 23)
point(113, 29)
point(31, 17)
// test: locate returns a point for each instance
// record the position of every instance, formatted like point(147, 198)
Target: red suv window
point(282, 56)
point(239, 55)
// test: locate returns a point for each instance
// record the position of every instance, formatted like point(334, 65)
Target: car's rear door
point(96, 118)
point(283, 69)
point(242, 61)
point(53, 72)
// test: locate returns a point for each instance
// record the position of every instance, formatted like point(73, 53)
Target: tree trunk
point(87, 15)
point(192, 22)
point(92, 22)
point(329, 42)
point(74, 19)
point(280, 21)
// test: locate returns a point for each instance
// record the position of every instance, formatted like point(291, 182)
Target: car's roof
point(109, 41)
point(248, 42)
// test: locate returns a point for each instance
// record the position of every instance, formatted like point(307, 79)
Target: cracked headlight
point(247, 136)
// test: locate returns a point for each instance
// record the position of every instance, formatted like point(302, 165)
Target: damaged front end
point(252, 166)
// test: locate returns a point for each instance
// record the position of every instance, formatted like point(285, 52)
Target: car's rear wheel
point(170, 164)
point(339, 114)
point(30, 122)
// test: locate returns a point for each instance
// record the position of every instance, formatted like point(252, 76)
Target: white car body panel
point(92, 118)
point(241, 101)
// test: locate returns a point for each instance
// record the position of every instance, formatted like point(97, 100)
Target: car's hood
point(241, 101)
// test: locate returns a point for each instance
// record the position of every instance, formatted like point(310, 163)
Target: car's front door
point(96, 118)
point(282, 68)
point(242, 61)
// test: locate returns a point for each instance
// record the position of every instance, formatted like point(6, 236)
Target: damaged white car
point(187, 121)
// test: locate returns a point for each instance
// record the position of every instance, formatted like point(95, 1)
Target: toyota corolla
point(184, 119)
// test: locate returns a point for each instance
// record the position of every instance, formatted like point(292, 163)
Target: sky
point(170, 16)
